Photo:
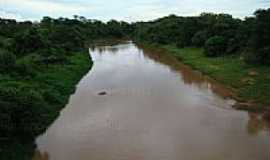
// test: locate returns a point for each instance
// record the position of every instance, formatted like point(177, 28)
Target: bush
point(259, 44)
point(25, 67)
point(28, 42)
point(6, 126)
point(215, 46)
point(52, 55)
point(199, 38)
point(53, 96)
point(262, 56)
point(7, 61)
point(24, 109)
point(233, 46)
point(7, 43)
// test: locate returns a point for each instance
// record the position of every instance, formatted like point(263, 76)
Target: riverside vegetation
point(233, 51)
point(40, 63)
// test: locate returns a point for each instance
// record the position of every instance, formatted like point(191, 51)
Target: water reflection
point(110, 49)
point(41, 156)
point(188, 75)
point(154, 108)
point(258, 122)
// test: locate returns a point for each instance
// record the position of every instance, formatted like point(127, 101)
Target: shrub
point(24, 109)
point(6, 43)
point(7, 61)
point(233, 46)
point(6, 126)
point(259, 44)
point(52, 55)
point(25, 67)
point(199, 38)
point(53, 96)
point(215, 46)
point(28, 42)
point(262, 56)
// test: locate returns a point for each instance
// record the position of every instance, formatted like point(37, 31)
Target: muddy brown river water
point(140, 104)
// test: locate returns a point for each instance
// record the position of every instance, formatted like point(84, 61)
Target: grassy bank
point(250, 83)
point(29, 104)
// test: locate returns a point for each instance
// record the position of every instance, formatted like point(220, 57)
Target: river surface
point(141, 104)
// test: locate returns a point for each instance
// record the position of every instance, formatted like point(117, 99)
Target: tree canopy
point(249, 37)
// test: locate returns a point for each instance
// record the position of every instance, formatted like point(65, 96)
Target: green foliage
point(52, 55)
point(215, 46)
point(115, 29)
point(187, 31)
point(7, 61)
point(24, 108)
point(10, 27)
point(26, 66)
point(66, 37)
point(29, 106)
point(39, 68)
point(261, 32)
point(199, 38)
point(261, 56)
point(229, 70)
point(27, 42)
point(44, 72)
point(259, 46)
point(232, 46)
point(17, 149)
point(6, 43)
point(251, 35)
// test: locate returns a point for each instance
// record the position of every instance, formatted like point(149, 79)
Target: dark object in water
point(102, 93)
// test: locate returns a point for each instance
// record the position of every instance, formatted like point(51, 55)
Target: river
point(141, 104)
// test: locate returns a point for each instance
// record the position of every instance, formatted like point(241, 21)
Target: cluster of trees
point(28, 49)
point(219, 34)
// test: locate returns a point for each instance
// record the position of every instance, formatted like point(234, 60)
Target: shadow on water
point(110, 48)
point(41, 156)
point(258, 122)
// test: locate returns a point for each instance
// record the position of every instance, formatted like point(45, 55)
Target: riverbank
point(36, 102)
point(249, 83)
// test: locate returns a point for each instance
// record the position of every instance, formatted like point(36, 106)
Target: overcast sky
point(128, 10)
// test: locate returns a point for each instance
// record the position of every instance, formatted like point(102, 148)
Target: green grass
point(229, 70)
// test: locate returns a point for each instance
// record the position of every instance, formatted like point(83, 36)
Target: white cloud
point(129, 10)
point(45, 6)
point(39, 8)
point(145, 12)
point(9, 15)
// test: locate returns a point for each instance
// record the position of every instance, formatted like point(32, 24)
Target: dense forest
point(219, 34)
point(40, 62)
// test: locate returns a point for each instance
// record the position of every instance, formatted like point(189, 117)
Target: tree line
point(218, 34)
